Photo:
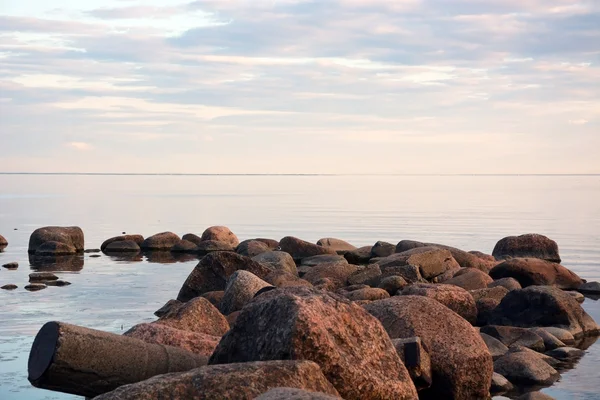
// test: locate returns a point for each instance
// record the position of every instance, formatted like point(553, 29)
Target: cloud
point(578, 121)
point(80, 146)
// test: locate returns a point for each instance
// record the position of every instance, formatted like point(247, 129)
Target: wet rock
point(42, 276)
point(338, 273)
point(198, 343)
point(160, 241)
point(533, 271)
point(508, 283)
point(416, 360)
point(3, 241)
point(529, 245)
point(455, 298)
point(360, 256)
point(283, 279)
point(59, 240)
point(460, 361)
point(369, 275)
point(300, 249)
point(535, 396)
point(10, 286)
point(525, 368)
point(11, 265)
point(241, 288)
point(383, 249)
point(542, 306)
point(323, 259)
point(210, 246)
point(497, 348)
point(227, 382)
point(252, 248)
point(197, 315)
point(59, 283)
point(191, 237)
point(392, 284)
point(122, 246)
point(169, 306)
point(561, 334)
point(336, 245)
point(500, 384)
point(294, 394)
point(220, 234)
point(138, 239)
point(214, 297)
point(513, 336)
point(213, 271)
point(88, 251)
point(351, 347)
point(577, 296)
point(54, 248)
point(590, 288)
point(566, 353)
point(470, 279)
point(277, 261)
point(184, 246)
point(34, 287)
point(367, 294)
point(553, 362)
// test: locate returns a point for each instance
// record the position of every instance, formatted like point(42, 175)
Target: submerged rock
point(220, 234)
point(58, 240)
point(160, 241)
point(34, 287)
point(11, 265)
point(10, 286)
point(138, 239)
point(526, 369)
point(529, 245)
point(533, 271)
point(42, 276)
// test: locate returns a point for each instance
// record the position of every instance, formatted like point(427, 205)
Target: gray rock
point(11, 265)
point(416, 360)
point(169, 306)
point(160, 241)
point(497, 348)
point(563, 335)
point(294, 394)
point(528, 245)
point(513, 336)
point(551, 342)
point(526, 369)
point(323, 259)
point(122, 246)
point(500, 384)
point(252, 248)
point(241, 288)
point(590, 288)
point(34, 287)
point(277, 261)
point(42, 276)
point(369, 275)
point(565, 353)
point(392, 284)
point(360, 256)
point(383, 249)
point(300, 249)
point(60, 240)
point(508, 283)
point(9, 287)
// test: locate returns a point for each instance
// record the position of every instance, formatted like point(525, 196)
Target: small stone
point(95, 256)
point(168, 307)
point(34, 287)
point(392, 284)
point(92, 251)
point(577, 296)
point(497, 348)
point(508, 283)
point(367, 294)
point(551, 342)
point(566, 353)
point(500, 384)
point(590, 288)
point(59, 283)
point(525, 368)
point(42, 276)
point(11, 265)
point(9, 287)
point(561, 334)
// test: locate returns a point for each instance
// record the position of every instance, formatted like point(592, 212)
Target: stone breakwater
point(290, 319)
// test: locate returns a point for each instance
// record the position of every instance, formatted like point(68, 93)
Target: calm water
point(470, 212)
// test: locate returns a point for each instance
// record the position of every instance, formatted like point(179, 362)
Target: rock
point(561, 334)
point(500, 384)
point(160, 241)
point(507, 283)
point(220, 234)
point(34, 287)
point(483, 256)
point(465, 259)
point(455, 298)
point(405, 245)
point(554, 363)
point(300, 249)
point(485, 307)
point(416, 360)
point(525, 368)
point(470, 279)
point(122, 246)
point(430, 261)
point(397, 266)
point(10, 286)
point(566, 353)
point(338, 273)
point(336, 245)
point(138, 239)
point(161, 256)
point(367, 294)
point(59, 283)
point(535, 396)
point(541, 306)
point(62, 238)
point(369, 275)
point(533, 271)
point(496, 293)
point(350, 346)
point(198, 343)
point(285, 279)
point(227, 382)
point(197, 315)
point(210, 246)
point(271, 243)
point(213, 271)
point(496, 348)
point(54, 249)
point(513, 336)
point(184, 246)
point(11, 265)
point(392, 284)
point(241, 288)
point(590, 288)
point(277, 261)
point(577, 296)
point(231, 318)
point(95, 256)
point(529, 245)
point(252, 248)
point(3, 241)
point(214, 297)
point(323, 259)
point(73, 263)
point(42, 276)
point(190, 237)
point(382, 249)
point(359, 256)
point(169, 306)
point(460, 361)
point(294, 394)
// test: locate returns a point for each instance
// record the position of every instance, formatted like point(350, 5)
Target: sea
point(471, 212)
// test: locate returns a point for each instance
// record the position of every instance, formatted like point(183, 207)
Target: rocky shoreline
point(290, 319)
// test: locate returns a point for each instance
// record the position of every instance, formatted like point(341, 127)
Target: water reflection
point(72, 263)
point(124, 256)
point(167, 257)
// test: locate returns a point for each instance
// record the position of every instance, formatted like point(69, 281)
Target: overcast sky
point(291, 86)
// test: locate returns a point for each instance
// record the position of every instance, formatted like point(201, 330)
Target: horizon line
point(283, 174)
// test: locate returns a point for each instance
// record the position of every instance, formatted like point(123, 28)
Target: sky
point(293, 86)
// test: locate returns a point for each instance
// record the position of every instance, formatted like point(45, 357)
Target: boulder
point(566, 353)
point(122, 246)
point(138, 239)
point(277, 261)
point(496, 348)
point(470, 279)
point(300, 249)
point(285, 279)
point(198, 343)
point(190, 237)
point(359, 256)
point(3, 241)
point(271, 243)
point(214, 297)
point(553, 362)
point(243, 381)
point(551, 342)
point(485, 307)
point(169, 305)
point(465, 259)
point(496, 293)
point(160, 241)
point(513, 336)
point(590, 288)
point(231, 318)
point(535, 396)
point(338, 273)
point(542, 306)
point(410, 273)
point(485, 257)
point(405, 245)
point(184, 246)
point(416, 360)
point(576, 295)
point(58, 283)
point(210, 246)
point(382, 249)
point(533, 271)
point(336, 245)
point(213, 271)
point(220, 234)
point(54, 249)
point(430, 261)
point(455, 298)
point(529, 245)
point(241, 288)
point(10, 286)
point(197, 315)
point(507, 283)
point(323, 259)
point(34, 287)
point(63, 238)
point(369, 275)
point(563, 335)
point(367, 294)
point(500, 384)
point(252, 248)
point(294, 394)
point(392, 284)
point(351, 347)
point(460, 361)
point(42, 276)
point(524, 368)
point(11, 265)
